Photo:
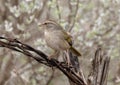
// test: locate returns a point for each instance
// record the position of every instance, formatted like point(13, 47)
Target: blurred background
point(92, 23)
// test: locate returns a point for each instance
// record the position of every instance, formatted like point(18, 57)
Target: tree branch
point(39, 56)
point(100, 67)
point(98, 74)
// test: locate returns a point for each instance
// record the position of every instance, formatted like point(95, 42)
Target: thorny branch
point(39, 56)
point(98, 74)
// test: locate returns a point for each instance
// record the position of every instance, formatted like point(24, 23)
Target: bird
point(57, 38)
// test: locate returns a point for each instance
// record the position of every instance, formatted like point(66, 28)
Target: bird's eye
point(45, 23)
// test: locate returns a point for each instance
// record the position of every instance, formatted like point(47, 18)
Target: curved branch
point(39, 56)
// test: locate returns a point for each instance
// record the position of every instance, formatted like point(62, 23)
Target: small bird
point(57, 38)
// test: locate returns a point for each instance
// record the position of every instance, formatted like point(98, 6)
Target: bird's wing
point(65, 36)
point(68, 38)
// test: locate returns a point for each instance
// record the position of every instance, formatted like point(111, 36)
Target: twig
point(51, 77)
point(100, 69)
point(58, 9)
point(74, 15)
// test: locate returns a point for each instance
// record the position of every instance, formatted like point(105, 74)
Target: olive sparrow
point(57, 39)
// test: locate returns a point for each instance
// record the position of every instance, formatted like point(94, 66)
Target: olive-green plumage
point(56, 37)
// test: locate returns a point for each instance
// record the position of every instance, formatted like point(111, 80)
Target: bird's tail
point(74, 51)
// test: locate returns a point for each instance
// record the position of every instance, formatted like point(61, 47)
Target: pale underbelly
point(55, 42)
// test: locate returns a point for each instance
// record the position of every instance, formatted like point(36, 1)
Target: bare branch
point(98, 75)
point(58, 9)
point(39, 56)
point(100, 66)
point(51, 77)
point(72, 18)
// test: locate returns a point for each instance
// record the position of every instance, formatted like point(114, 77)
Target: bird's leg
point(55, 54)
point(68, 58)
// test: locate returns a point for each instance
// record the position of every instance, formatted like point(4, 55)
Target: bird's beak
point(40, 24)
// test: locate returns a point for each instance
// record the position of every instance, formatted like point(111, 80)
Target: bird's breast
point(55, 41)
point(51, 40)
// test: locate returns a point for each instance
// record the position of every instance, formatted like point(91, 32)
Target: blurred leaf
point(33, 81)
point(91, 34)
point(115, 53)
point(41, 69)
point(8, 26)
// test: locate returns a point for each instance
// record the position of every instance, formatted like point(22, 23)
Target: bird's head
point(50, 25)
